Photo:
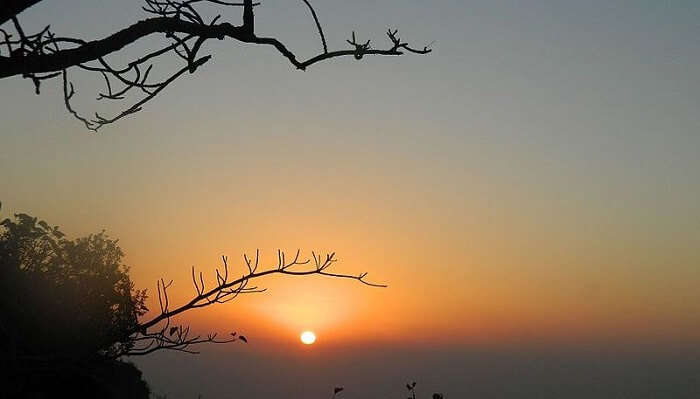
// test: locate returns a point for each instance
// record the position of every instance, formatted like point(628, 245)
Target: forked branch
point(43, 55)
point(158, 333)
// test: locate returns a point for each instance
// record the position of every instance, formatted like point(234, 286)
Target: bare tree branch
point(43, 55)
point(10, 8)
point(318, 26)
point(158, 333)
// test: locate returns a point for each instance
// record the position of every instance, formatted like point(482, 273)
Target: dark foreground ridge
point(39, 378)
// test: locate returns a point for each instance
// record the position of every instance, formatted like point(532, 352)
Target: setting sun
point(461, 198)
point(308, 337)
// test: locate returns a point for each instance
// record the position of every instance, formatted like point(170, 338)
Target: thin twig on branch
point(159, 334)
point(43, 55)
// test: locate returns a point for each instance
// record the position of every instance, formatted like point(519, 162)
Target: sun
point(308, 337)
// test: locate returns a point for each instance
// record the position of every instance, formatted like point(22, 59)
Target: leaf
point(243, 338)
point(337, 389)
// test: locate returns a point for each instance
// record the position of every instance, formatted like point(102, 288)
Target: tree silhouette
point(66, 306)
point(74, 298)
point(44, 55)
point(60, 297)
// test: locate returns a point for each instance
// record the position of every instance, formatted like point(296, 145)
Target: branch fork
point(159, 332)
point(44, 55)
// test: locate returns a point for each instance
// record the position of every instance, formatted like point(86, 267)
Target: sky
point(529, 192)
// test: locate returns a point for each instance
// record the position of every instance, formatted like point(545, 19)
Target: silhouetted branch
point(43, 56)
point(164, 336)
point(10, 8)
point(318, 26)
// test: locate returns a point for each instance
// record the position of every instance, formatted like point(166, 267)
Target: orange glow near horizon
point(477, 268)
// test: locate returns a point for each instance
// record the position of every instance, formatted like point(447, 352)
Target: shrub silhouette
point(69, 311)
point(65, 305)
point(63, 298)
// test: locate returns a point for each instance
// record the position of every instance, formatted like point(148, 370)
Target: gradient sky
point(530, 192)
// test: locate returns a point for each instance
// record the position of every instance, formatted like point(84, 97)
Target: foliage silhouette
point(65, 308)
point(410, 386)
point(69, 311)
point(63, 298)
point(412, 391)
point(43, 55)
